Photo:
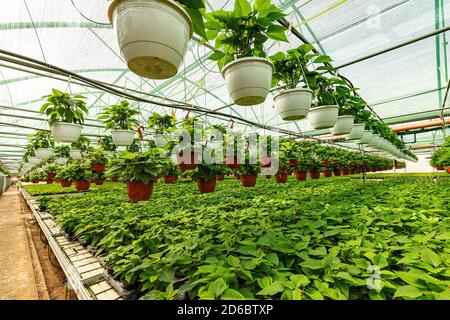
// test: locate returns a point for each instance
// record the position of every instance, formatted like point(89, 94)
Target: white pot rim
point(346, 117)
point(359, 125)
point(67, 124)
point(121, 130)
point(291, 91)
point(246, 59)
point(324, 107)
point(174, 5)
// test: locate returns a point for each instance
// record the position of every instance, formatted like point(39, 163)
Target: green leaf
point(312, 264)
point(242, 8)
point(277, 32)
point(408, 292)
point(380, 261)
point(233, 261)
point(272, 289)
point(166, 275)
point(323, 59)
point(262, 4)
point(218, 287)
point(430, 257)
point(231, 294)
point(272, 258)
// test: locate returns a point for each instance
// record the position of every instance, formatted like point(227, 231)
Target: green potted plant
point(161, 126)
point(290, 149)
point(302, 169)
point(358, 132)
point(139, 171)
point(107, 144)
point(98, 178)
point(239, 48)
point(120, 119)
point(42, 143)
point(154, 48)
point(170, 172)
point(62, 154)
point(97, 160)
point(66, 115)
point(324, 113)
point(206, 176)
point(293, 102)
point(284, 169)
point(81, 174)
point(34, 178)
point(79, 147)
point(187, 158)
point(65, 176)
point(249, 171)
point(52, 170)
point(347, 111)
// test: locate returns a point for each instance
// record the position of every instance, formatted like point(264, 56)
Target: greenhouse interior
point(192, 150)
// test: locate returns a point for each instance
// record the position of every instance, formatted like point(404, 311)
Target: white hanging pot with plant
point(153, 35)
point(374, 141)
point(344, 125)
point(356, 133)
point(293, 104)
point(76, 154)
point(323, 117)
point(66, 132)
point(43, 153)
point(122, 137)
point(61, 161)
point(248, 80)
point(366, 138)
point(33, 160)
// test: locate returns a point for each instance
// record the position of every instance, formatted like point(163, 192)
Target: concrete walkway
point(17, 276)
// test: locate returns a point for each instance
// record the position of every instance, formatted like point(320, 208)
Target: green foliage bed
point(55, 188)
point(325, 239)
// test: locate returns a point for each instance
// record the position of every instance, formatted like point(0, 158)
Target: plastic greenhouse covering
point(407, 83)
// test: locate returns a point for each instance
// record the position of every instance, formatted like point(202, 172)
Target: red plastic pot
point(99, 182)
point(65, 183)
point(98, 167)
point(300, 176)
point(337, 173)
point(345, 172)
point(82, 185)
point(281, 177)
point(448, 170)
point(266, 162)
point(207, 186)
point(352, 172)
point(268, 176)
point(248, 181)
point(221, 178)
point(190, 165)
point(49, 181)
point(114, 179)
point(293, 162)
point(34, 181)
point(139, 191)
point(439, 168)
point(171, 179)
point(51, 175)
point(232, 162)
point(328, 173)
point(314, 175)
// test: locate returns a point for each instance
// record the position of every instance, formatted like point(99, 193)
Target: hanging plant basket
point(300, 176)
point(43, 153)
point(153, 35)
point(323, 117)
point(248, 80)
point(207, 186)
point(232, 162)
point(34, 160)
point(139, 191)
point(98, 167)
point(76, 154)
point(366, 138)
point(122, 137)
point(344, 125)
point(66, 132)
point(170, 180)
point(281, 177)
point(248, 181)
point(65, 183)
point(82, 185)
point(293, 104)
point(61, 161)
point(357, 132)
point(190, 164)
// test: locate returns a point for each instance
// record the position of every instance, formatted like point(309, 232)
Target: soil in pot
point(51, 175)
point(139, 191)
point(248, 181)
point(98, 167)
point(221, 178)
point(337, 173)
point(314, 175)
point(190, 165)
point(207, 186)
point(82, 185)
point(300, 176)
point(171, 179)
point(281, 177)
point(293, 162)
point(99, 182)
point(65, 183)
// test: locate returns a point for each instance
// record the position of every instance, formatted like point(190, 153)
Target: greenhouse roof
point(402, 85)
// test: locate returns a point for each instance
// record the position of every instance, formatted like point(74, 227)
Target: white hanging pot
point(357, 132)
point(366, 138)
point(43, 153)
point(61, 161)
point(66, 132)
point(344, 125)
point(153, 35)
point(374, 141)
point(76, 154)
point(248, 80)
point(160, 140)
point(33, 160)
point(293, 104)
point(123, 137)
point(323, 117)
